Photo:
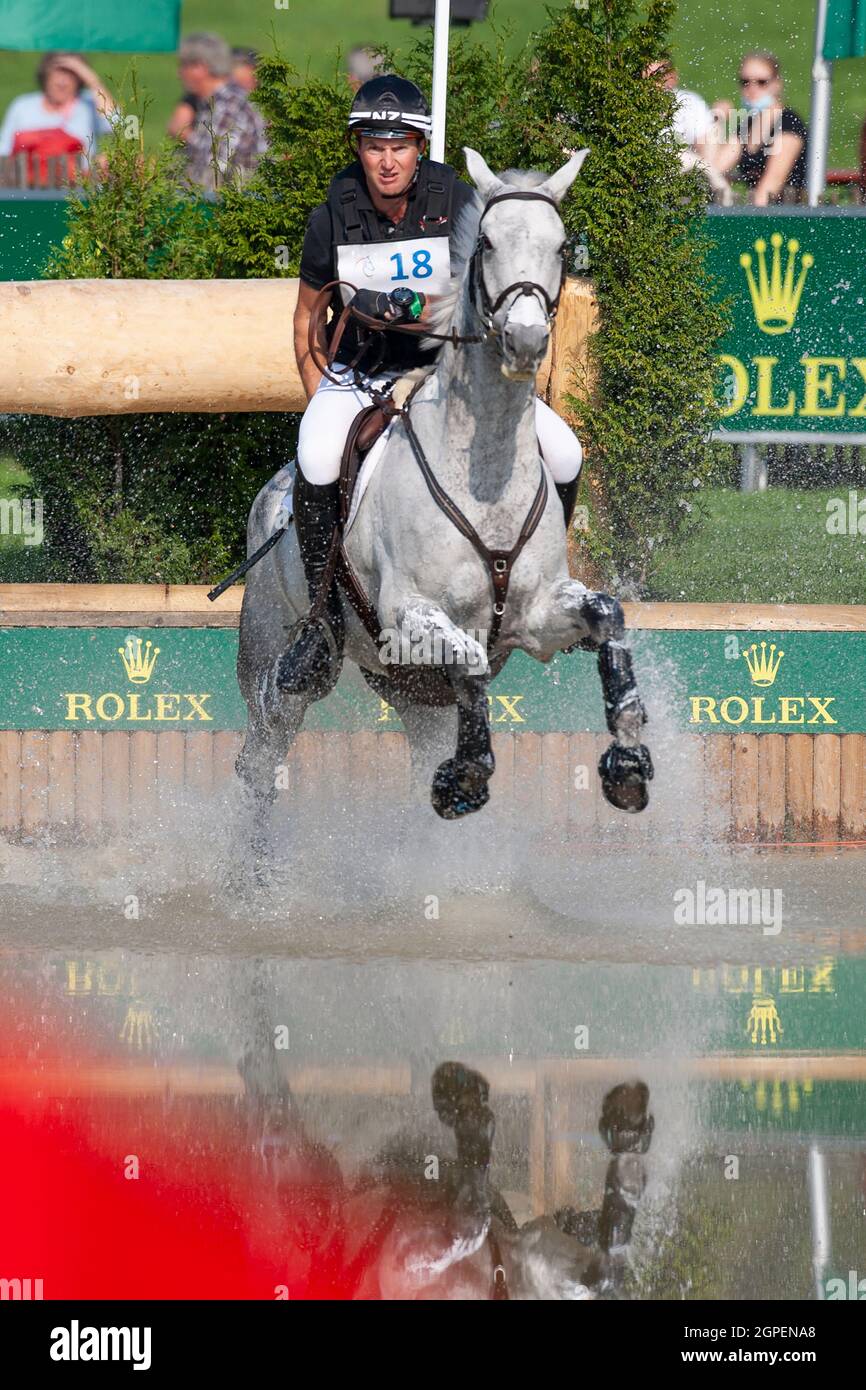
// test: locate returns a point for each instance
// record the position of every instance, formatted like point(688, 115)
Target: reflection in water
point(206, 1126)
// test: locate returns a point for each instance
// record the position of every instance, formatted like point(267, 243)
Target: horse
point(456, 555)
point(401, 1229)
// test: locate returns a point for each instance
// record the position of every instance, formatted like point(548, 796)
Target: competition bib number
point(423, 263)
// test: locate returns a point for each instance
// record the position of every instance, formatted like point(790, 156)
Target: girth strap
point(500, 563)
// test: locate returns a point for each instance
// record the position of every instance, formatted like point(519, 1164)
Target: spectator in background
point(244, 62)
point(693, 119)
point(65, 117)
point(226, 136)
point(183, 115)
point(362, 64)
point(693, 127)
point(767, 149)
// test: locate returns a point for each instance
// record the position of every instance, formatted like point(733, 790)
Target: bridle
point(486, 308)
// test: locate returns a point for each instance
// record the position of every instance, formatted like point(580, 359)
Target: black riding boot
point(567, 494)
point(313, 660)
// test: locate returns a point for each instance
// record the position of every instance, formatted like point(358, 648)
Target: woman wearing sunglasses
point(764, 144)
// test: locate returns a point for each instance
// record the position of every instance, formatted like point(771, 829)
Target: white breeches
point(332, 409)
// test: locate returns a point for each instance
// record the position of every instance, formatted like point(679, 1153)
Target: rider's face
point(389, 164)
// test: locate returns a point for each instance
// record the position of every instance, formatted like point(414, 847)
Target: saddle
point(369, 425)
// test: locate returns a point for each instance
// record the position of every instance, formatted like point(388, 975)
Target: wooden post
point(567, 367)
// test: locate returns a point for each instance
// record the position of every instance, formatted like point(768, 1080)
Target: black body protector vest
point(415, 255)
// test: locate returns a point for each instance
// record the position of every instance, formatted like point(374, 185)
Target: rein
point(498, 562)
point(380, 326)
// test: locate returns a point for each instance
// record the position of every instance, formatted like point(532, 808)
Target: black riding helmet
point(389, 107)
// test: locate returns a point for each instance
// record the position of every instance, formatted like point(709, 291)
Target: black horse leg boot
point(312, 663)
point(567, 494)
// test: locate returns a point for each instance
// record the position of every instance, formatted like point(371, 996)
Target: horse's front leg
point(460, 784)
point(460, 1099)
point(626, 1127)
point(598, 622)
point(431, 638)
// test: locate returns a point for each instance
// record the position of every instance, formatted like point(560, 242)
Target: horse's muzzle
point(523, 349)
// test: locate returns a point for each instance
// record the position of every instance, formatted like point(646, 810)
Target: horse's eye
point(486, 242)
point(563, 248)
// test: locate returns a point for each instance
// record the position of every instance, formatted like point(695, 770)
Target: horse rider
point(385, 224)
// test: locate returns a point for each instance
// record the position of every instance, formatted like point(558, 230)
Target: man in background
point(225, 136)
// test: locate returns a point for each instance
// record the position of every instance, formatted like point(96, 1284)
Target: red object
point(42, 145)
point(108, 1194)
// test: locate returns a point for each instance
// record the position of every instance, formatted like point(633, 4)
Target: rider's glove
point(400, 306)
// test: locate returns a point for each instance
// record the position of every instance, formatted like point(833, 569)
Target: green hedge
point(165, 497)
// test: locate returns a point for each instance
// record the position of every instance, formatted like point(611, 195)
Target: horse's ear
point(559, 183)
point(481, 175)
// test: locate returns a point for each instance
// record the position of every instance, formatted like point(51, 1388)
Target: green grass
point(763, 547)
point(708, 41)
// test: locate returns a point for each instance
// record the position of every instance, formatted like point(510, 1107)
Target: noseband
point(484, 306)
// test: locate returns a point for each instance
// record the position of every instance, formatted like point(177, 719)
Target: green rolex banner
point(101, 26)
point(794, 361)
point(845, 32)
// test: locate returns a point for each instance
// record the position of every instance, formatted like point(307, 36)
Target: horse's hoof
point(459, 788)
point(626, 1125)
point(624, 774)
point(457, 1089)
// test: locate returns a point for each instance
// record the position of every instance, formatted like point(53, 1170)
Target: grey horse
point(454, 585)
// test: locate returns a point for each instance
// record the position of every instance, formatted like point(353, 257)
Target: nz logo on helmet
point(385, 115)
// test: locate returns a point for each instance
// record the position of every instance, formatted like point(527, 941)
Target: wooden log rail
point(767, 788)
point(122, 347)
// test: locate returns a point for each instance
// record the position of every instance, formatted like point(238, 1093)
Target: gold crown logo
point(764, 668)
point(139, 1027)
point(764, 1024)
point(139, 658)
point(776, 299)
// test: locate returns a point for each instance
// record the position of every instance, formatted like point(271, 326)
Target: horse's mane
point(463, 239)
